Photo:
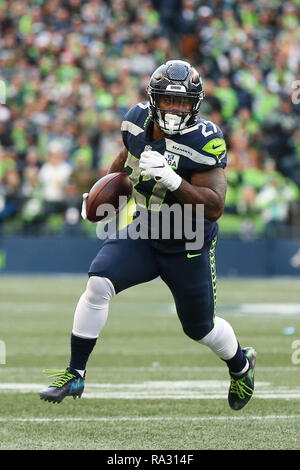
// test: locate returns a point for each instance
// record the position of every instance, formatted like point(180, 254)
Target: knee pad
point(92, 309)
point(99, 290)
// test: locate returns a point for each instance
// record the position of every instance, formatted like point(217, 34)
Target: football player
point(171, 156)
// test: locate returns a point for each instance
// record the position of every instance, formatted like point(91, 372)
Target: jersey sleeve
point(213, 146)
point(125, 125)
point(133, 121)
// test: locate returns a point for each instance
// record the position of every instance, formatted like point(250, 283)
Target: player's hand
point(153, 164)
point(83, 207)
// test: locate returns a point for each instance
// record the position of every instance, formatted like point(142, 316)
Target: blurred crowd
point(70, 70)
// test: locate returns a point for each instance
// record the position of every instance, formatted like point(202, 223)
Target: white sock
point(221, 339)
point(92, 309)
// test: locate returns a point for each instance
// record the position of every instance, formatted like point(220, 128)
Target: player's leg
point(194, 292)
point(120, 263)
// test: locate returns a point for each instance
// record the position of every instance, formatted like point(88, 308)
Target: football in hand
point(108, 190)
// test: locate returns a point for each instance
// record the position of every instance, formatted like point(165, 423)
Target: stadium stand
point(72, 69)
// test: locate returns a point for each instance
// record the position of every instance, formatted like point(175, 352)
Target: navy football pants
point(192, 280)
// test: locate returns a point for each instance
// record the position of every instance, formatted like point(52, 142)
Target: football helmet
point(182, 84)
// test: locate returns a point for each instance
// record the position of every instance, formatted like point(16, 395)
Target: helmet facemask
point(181, 113)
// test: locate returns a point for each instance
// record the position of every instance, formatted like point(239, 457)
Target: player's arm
point(119, 162)
point(208, 188)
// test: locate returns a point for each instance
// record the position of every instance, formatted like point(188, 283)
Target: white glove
point(83, 207)
point(153, 164)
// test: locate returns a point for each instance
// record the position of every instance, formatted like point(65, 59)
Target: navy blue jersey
point(196, 149)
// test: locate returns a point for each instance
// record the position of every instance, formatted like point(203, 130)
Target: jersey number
point(147, 192)
point(203, 126)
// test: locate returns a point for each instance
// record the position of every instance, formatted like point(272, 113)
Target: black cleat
point(67, 383)
point(241, 388)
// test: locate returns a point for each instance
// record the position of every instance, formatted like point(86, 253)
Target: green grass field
point(148, 385)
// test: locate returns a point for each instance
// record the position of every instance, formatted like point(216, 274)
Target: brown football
point(107, 190)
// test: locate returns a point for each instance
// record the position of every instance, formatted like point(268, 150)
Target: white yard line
point(148, 418)
point(157, 390)
point(273, 309)
point(157, 367)
point(276, 310)
point(184, 396)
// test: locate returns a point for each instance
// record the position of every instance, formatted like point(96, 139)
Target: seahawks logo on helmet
point(183, 84)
